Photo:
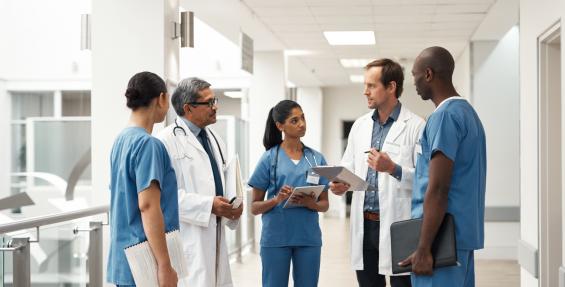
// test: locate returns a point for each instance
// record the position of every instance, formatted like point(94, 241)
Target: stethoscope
point(275, 163)
point(179, 128)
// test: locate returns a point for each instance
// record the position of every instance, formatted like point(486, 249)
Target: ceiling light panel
point(339, 38)
point(354, 63)
point(357, 78)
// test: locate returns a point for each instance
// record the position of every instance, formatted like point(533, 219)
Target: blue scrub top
point(456, 130)
point(137, 158)
point(284, 227)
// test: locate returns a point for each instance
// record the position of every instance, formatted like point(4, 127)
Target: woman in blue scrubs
point(289, 234)
point(143, 185)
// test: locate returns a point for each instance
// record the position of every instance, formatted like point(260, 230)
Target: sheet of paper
point(341, 174)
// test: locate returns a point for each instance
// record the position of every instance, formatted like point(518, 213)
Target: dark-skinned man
point(450, 174)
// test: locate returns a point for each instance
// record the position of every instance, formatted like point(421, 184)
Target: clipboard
point(404, 237)
point(341, 174)
point(304, 190)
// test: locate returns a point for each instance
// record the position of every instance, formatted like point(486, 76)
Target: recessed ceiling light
point(336, 38)
point(357, 78)
point(354, 63)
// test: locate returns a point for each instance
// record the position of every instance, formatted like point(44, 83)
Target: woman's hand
point(283, 194)
point(308, 201)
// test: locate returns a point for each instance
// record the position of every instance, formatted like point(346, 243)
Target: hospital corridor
point(274, 143)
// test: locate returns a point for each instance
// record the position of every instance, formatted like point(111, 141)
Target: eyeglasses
point(210, 103)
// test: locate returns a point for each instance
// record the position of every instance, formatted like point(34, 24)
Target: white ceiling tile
point(463, 8)
point(403, 28)
point(283, 11)
point(278, 20)
point(336, 2)
point(292, 27)
point(340, 11)
point(478, 17)
point(351, 20)
point(347, 27)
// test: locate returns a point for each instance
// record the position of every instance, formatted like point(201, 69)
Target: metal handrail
point(38, 221)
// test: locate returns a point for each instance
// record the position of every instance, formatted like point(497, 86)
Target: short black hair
point(439, 60)
point(187, 92)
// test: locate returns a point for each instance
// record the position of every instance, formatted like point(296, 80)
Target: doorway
point(550, 157)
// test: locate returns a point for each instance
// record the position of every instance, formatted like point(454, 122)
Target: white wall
point(497, 103)
point(140, 40)
point(311, 101)
point(462, 73)
point(267, 89)
point(41, 39)
point(496, 90)
point(535, 18)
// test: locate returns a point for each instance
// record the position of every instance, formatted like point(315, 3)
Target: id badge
point(312, 177)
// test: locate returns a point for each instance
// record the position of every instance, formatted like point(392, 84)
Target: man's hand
point(339, 188)
point(421, 260)
point(236, 213)
point(221, 207)
point(380, 161)
point(167, 276)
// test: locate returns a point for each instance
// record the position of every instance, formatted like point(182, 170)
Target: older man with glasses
point(197, 154)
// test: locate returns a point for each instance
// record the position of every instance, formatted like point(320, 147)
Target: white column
point(57, 104)
point(311, 101)
point(128, 36)
point(267, 89)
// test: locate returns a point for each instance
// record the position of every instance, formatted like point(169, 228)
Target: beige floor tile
point(336, 271)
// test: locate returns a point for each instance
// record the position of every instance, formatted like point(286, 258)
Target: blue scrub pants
point(454, 276)
point(305, 265)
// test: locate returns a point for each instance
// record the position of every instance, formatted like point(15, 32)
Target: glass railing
point(63, 249)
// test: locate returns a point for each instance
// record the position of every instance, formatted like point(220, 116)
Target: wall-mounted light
point(185, 29)
point(85, 35)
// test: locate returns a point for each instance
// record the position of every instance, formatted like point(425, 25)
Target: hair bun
point(132, 93)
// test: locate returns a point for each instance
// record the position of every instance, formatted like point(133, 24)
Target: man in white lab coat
point(390, 133)
point(198, 157)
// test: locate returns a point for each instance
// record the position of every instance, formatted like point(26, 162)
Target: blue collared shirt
point(196, 131)
point(192, 127)
point(380, 131)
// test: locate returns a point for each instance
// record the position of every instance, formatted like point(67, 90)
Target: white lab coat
point(196, 192)
point(394, 196)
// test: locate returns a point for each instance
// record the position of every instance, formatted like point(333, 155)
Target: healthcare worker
point(199, 159)
point(390, 132)
point(450, 174)
point(288, 234)
point(143, 188)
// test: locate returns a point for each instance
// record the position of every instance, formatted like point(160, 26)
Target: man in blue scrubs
point(450, 173)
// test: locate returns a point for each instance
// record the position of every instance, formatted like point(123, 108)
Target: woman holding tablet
point(289, 234)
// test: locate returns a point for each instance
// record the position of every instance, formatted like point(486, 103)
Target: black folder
point(404, 237)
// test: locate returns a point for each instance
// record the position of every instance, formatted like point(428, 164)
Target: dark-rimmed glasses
point(210, 103)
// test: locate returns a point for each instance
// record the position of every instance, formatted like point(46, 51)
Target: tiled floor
point(336, 270)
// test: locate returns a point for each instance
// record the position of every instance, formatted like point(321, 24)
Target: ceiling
point(402, 29)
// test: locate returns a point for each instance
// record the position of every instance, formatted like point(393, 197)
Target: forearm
point(435, 206)
point(262, 206)
point(322, 206)
point(154, 227)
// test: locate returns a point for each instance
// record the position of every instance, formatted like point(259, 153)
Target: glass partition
point(60, 258)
